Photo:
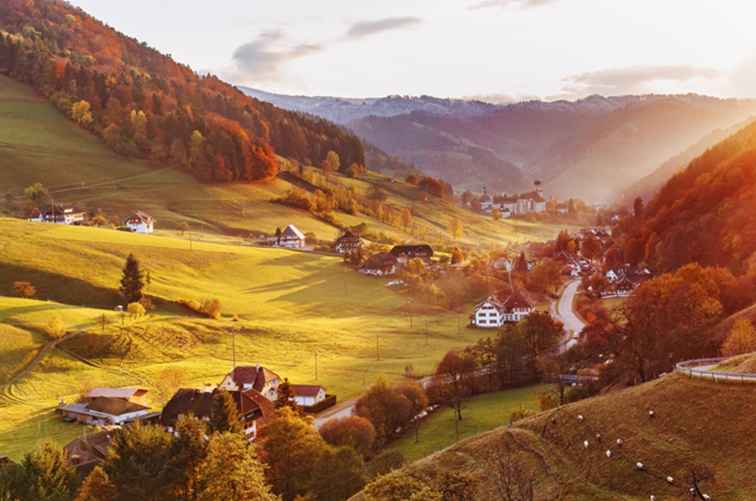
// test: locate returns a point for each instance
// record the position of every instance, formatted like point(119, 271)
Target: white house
point(493, 312)
point(258, 378)
point(306, 395)
point(60, 215)
point(291, 238)
point(140, 222)
point(107, 406)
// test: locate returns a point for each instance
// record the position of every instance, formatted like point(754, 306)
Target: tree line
point(145, 105)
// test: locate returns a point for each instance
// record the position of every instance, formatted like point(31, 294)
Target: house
point(135, 395)
point(140, 222)
point(306, 395)
point(614, 275)
point(380, 265)
point(104, 411)
point(291, 238)
point(347, 243)
point(59, 215)
point(255, 411)
point(256, 377)
point(86, 452)
point(403, 253)
point(494, 312)
point(624, 287)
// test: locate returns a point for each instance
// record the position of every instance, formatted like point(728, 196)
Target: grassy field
point(480, 414)
point(38, 144)
point(290, 305)
point(698, 426)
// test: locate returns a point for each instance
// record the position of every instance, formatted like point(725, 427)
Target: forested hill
point(145, 105)
point(706, 213)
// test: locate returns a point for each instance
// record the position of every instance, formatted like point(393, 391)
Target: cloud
point(263, 58)
point(364, 29)
point(634, 79)
point(523, 4)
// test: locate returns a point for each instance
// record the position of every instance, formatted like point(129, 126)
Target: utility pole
point(316, 365)
point(234, 331)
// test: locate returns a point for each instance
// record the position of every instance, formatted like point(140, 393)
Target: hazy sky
point(454, 48)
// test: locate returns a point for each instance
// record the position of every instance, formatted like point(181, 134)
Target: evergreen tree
point(188, 451)
point(224, 416)
point(521, 264)
point(45, 475)
point(97, 487)
point(132, 281)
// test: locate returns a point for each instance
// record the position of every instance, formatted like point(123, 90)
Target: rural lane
point(563, 311)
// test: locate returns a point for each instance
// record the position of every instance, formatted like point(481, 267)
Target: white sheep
point(640, 466)
point(608, 454)
point(651, 413)
point(620, 442)
point(706, 497)
point(580, 418)
point(585, 444)
point(670, 480)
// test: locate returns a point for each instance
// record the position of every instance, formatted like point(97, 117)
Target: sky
point(493, 49)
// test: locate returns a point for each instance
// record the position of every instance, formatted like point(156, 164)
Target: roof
point(143, 216)
point(293, 231)
point(255, 375)
point(305, 390)
point(252, 406)
point(89, 448)
point(517, 300)
point(114, 406)
point(424, 250)
point(381, 260)
point(348, 236)
point(125, 393)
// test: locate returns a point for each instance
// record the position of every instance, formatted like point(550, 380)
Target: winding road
point(563, 310)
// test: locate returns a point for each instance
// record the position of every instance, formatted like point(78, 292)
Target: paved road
point(563, 311)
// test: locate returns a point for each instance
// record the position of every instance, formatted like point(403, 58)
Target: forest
point(145, 105)
point(704, 214)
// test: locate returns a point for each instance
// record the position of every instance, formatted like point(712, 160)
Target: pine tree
point(97, 487)
point(224, 416)
point(132, 281)
point(46, 475)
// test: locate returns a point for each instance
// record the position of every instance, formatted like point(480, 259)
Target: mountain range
point(593, 148)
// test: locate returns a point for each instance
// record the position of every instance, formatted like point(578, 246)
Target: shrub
point(210, 308)
point(521, 413)
point(385, 462)
point(55, 328)
point(548, 400)
point(25, 289)
point(400, 485)
point(136, 310)
point(742, 339)
point(352, 431)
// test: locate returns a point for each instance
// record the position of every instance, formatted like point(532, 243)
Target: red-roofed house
point(254, 377)
point(307, 395)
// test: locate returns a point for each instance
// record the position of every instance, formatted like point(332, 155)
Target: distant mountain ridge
point(593, 148)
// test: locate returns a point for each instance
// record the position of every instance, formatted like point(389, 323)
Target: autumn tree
point(24, 289)
point(353, 431)
point(456, 228)
point(453, 379)
point(43, 475)
point(638, 207)
point(231, 470)
point(399, 485)
point(591, 248)
point(496, 214)
point(36, 192)
point(540, 332)
point(742, 339)
point(97, 487)
point(132, 281)
point(546, 276)
point(81, 113)
point(331, 163)
point(224, 416)
point(386, 408)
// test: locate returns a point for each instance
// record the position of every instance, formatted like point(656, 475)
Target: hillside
point(650, 185)
point(698, 426)
point(705, 213)
point(39, 145)
point(291, 305)
point(593, 148)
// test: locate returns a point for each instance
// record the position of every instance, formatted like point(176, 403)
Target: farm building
point(347, 243)
point(494, 312)
point(291, 238)
point(140, 222)
point(255, 410)
point(255, 377)
point(403, 253)
point(108, 406)
point(59, 215)
point(307, 395)
point(380, 265)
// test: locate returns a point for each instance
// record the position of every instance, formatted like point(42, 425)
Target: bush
point(548, 400)
point(521, 413)
point(399, 485)
point(136, 310)
point(353, 431)
point(210, 308)
point(385, 462)
point(25, 289)
point(55, 328)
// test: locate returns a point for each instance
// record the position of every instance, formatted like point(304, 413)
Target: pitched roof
point(114, 406)
point(292, 231)
point(146, 218)
point(517, 300)
point(305, 390)
point(125, 393)
point(412, 250)
point(348, 236)
point(255, 375)
point(380, 261)
point(89, 448)
point(187, 401)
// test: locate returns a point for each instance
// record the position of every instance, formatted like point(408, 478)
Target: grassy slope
point(697, 423)
point(291, 304)
point(38, 144)
point(480, 413)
